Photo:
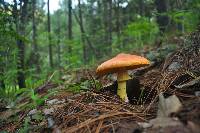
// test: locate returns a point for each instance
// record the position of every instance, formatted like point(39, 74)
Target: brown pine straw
point(82, 114)
point(99, 126)
point(100, 118)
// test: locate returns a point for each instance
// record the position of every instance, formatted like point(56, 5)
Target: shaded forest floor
point(176, 109)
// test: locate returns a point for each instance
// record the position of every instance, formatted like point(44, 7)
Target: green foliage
point(74, 59)
point(84, 85)
point(26, 126)
point(79, 87)
point(188, 19)
point(141, 31)
point(10, 95)
point(36, 99)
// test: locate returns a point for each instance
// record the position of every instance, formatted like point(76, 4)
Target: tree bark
point(2, 67)
point(107, 16)
point(2, 84)
point(118, 25)
point(20, 20)
point(83, 34)
point(58, 43)
point(70, 23)
point(85, 55)
point(162, 18)
point(180, 25)
point(49, 37)
point(34, 44)
point(110, 27)
point(141, 7)
point(20, 64)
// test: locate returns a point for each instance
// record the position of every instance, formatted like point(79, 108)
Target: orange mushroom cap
point(122, 62)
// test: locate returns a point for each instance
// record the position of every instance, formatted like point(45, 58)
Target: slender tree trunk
point(34, 45)
point(141, 7)
point(110, 26)
point(58, 44)
point(105, 22)
point(59, 53)
point(70, 23)
point(2, 84)
point(85, 53)
point(180, 25)
point(83, 34)
point(2, 66)
point(162, 19)
point(20, 28)
point(118, 26)
point(107, 16)
point(100, 21)
point(20, 64)
point(49, 36)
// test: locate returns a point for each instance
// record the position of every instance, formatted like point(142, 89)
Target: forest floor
point(170, 101)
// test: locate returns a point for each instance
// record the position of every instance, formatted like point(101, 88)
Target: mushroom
point(120, 64)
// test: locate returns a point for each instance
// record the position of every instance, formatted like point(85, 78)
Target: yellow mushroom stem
point(122, 77)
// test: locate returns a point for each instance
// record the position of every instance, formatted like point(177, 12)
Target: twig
point(51, 77)
point(99, 126)
point(88, 128)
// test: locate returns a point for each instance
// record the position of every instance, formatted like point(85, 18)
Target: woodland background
point(34, 43)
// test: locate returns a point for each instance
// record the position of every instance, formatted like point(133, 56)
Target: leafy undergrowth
point(82, 105)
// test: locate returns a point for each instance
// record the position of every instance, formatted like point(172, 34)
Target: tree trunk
point(162, 19)
point(180, 25)
point(141, 7)
point(20, 28)
point(58, 44)
point(49, 36)
point(107, 16)
point(70, 23)
point(118, 26)
point(85, 53)
point(34, 45)
point(2, 84)
point(59, 53)
point(2, 67)
point(83, 34)
point(110, 27)
point(20, 64)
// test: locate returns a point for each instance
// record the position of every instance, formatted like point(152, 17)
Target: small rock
point(174, 66)
point(32, 112)
point(50, 122)
point(164, 122)
point(197, 93)
point(48, 111)
point(144, 124)
point(55, 101)
point(127, 126)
